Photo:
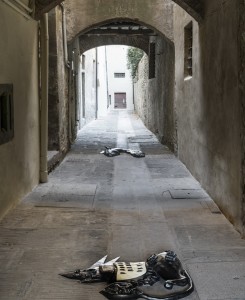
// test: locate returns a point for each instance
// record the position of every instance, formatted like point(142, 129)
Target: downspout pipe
point(107, 85)
point(96, 83)
point(44, 35)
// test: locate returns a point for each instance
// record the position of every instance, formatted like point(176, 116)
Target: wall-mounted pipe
point(17, 9)
point(44, 99)
point(96, 83)
point(107, 84)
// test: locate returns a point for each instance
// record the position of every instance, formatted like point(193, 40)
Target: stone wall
point(241, 39)
point(208, 104)
point(81, 15)
point(58, 85)
point(154, 97)
point(53, 98)
point(19, 158)
point(89, 42)
point(142, 104)
point(193, 7)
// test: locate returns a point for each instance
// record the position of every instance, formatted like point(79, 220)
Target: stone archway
point(117, 32)
point(193, 7)
point(158, 85)
point(89, 42)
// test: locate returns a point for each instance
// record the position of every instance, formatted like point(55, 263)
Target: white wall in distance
point(117, 63)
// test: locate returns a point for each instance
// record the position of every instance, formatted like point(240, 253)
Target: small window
point(6, 113)
point(119, 75)
point(83, 61)
point(188, 50)
point(152, 60)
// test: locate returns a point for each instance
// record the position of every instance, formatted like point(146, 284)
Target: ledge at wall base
point(43, 176)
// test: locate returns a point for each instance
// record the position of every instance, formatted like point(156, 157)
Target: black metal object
point(110, 152)
point(127, 278)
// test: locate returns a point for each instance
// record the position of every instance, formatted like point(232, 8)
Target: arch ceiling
point(193, 7)
point(117, 33)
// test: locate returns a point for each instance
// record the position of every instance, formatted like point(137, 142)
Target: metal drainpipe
point(44, 99)
point(107, 85)
point(96, 83)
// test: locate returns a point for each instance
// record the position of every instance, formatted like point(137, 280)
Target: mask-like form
point(128, 280)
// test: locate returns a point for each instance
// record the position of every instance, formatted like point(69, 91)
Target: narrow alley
point(95, 205)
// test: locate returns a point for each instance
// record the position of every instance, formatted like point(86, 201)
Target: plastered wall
point(117, 63)
point(19, 158)
point(89, 73)
point(208, 105)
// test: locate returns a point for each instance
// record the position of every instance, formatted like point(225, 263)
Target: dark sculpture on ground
point(110, 152)
point(128, 280)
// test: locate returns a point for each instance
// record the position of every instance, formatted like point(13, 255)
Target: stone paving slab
point(231, 281)
point(203, 237)
point(169, 168)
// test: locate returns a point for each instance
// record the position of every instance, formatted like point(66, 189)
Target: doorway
point(120, 100)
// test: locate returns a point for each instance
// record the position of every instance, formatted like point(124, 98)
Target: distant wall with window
point(119, 80)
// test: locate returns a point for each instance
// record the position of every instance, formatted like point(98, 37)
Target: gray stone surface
point(187, 194)
point(94, 205)
point(231, 281)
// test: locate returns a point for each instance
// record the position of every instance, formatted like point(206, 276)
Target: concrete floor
point(94, 205)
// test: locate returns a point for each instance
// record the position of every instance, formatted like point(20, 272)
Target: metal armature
point(129, 280)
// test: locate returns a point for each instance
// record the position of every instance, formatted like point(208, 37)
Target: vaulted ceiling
point(117, 33)
point(193, 7)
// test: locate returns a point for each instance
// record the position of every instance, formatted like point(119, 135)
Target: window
point(188, 50)
point(152, 60)
point(119, 75)
point(6, 113)
point(83, 61)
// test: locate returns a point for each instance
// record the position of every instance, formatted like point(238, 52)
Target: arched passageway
point(117, 32)
point(159, 76)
